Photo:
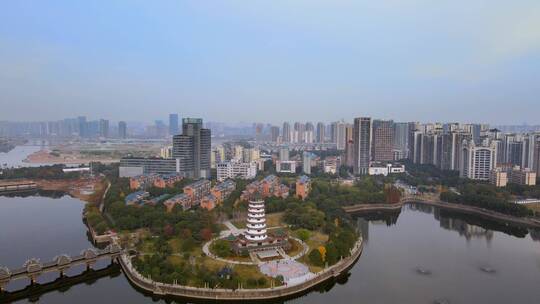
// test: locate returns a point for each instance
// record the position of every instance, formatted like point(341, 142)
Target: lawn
point(274, 219)
point(316, 240)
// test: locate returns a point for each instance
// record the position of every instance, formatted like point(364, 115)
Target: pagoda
point(256, 237)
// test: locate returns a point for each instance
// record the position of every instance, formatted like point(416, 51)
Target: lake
point(421, 255)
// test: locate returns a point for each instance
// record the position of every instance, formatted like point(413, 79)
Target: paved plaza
point(289, 269)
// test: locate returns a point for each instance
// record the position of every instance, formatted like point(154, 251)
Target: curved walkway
point(219, 294)
point(206, 250)
point(527, 222)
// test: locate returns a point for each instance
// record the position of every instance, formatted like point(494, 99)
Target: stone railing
point(239, 294)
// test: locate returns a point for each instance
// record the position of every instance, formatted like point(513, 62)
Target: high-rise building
point(104, 128)
point(286, 132)
point(274, 133)
point(306, 162)
point(383, 140)
point(333, 132)
point(477, 162)
point(299, 132)
point(192, 148)
point(173, 124)
point(82, 126)
point(413, 128)
point(320, 132)
point(284, 154)
point(401, 138)
point(536, 158)
point(309, 133)
point(527, 158)
point(349, 153)
point(362, 145)
point(476, 132)
point(122, 130)
point(341, 136)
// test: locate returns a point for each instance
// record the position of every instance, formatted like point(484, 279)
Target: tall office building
point(401, 138)
point(320, 132)
point(274, 133)
point(286, 132)
point(104, 128)
point(122, 130)
point(383, 140)
point(173, 124)
point(193, 149)
point(362, 144)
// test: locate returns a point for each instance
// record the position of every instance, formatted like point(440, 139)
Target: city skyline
point(271, 61)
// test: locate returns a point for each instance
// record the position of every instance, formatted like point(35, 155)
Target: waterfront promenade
point(240, 294)
point(525, 221)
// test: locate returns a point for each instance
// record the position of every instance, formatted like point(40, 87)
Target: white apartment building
point(477, 162)
point(235, 169)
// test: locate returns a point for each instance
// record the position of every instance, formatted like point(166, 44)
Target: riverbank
point(280, 292)
point(89, 190)
point(47, 157)
point(488, 214)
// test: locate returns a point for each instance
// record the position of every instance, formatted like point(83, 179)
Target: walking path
point(232, 228)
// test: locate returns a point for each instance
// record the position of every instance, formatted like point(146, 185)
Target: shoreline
point(281, 292)
point(493, 215)
point(44, 157)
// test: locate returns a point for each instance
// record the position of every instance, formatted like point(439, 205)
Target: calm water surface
point(417, 256)
point(15, 157)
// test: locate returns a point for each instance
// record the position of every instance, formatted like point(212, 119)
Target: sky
point(271, 61)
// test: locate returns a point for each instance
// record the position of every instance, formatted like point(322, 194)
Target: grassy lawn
point(274, 219)
point(251, 272)
point(317, 239)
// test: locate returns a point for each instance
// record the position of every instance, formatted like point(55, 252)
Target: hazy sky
point(271, 60)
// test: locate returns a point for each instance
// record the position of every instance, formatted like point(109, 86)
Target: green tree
point(303, 234)
point(315, 258)
point(221, 248)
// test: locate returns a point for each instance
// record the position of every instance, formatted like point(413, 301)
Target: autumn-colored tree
point(168, 230)
point(206, 234)
point(393, 195)
point(185, 233)
point(322, 251)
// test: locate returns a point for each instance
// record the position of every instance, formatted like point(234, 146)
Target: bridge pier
point(33, 279)
point(89, 265)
